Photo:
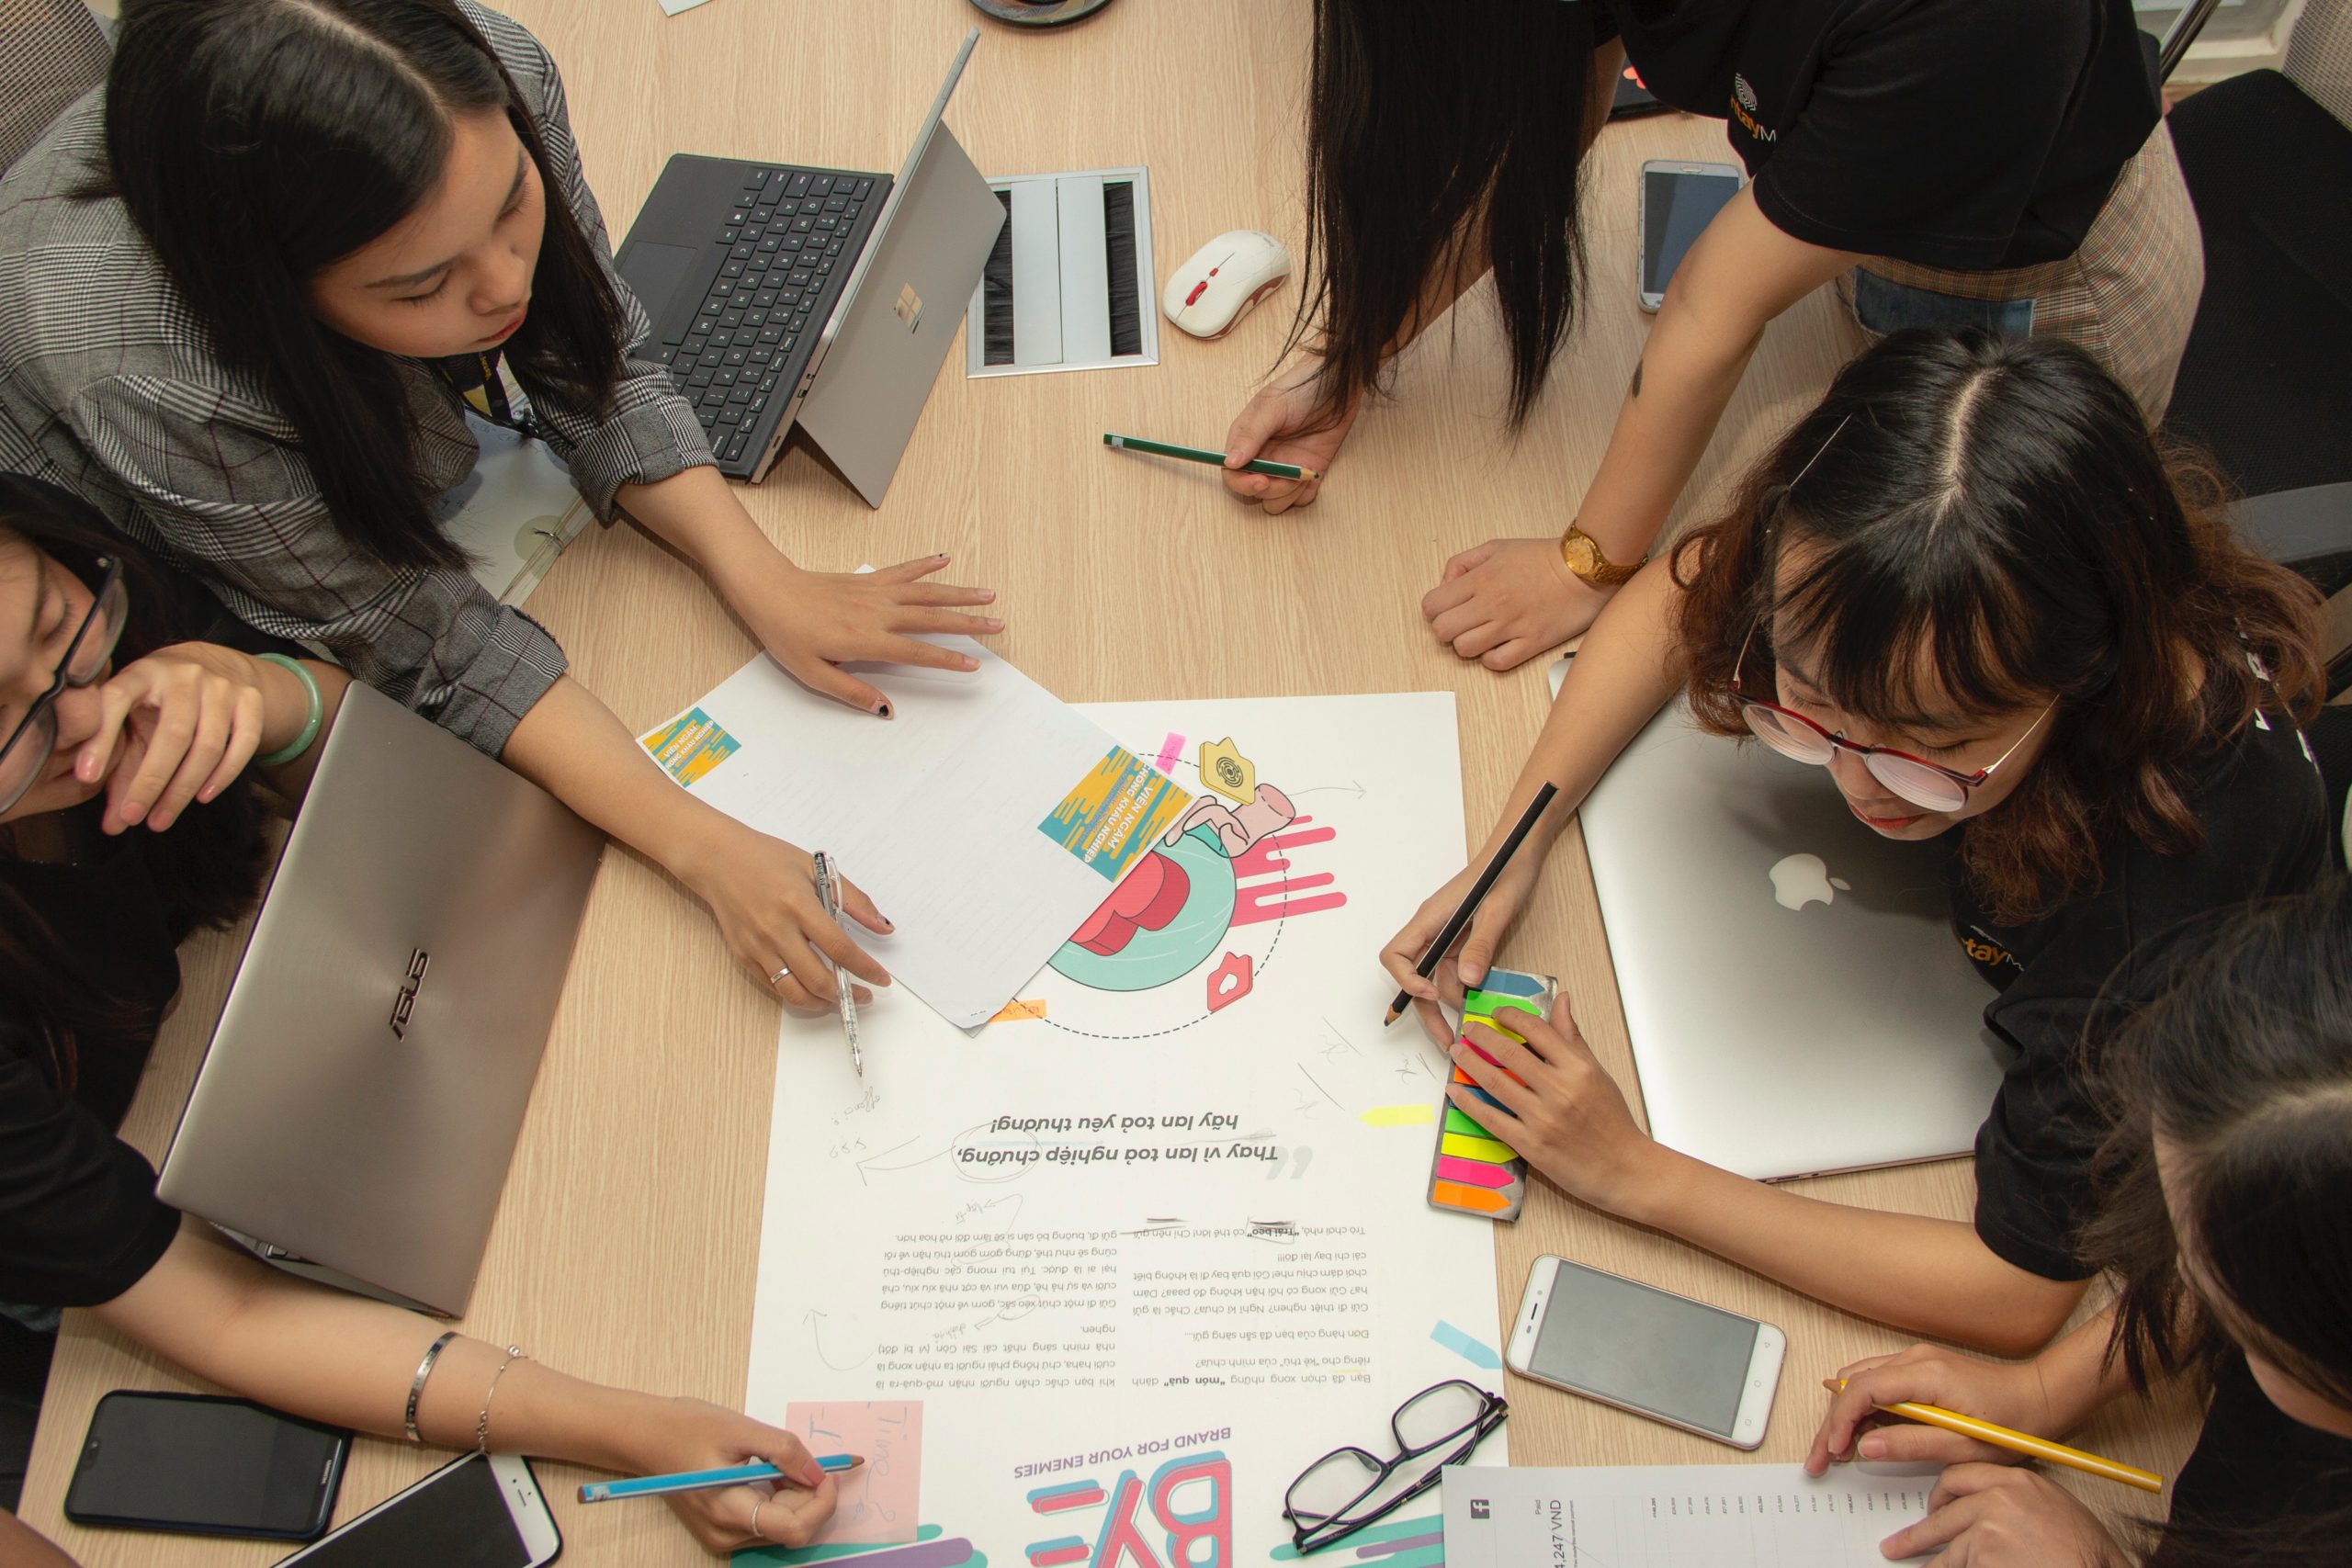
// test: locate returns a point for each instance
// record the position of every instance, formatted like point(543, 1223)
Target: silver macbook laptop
point(1796, 999)
point(354, 1115)
point(783, 294)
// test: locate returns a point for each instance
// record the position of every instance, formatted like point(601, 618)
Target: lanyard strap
point(475, 379)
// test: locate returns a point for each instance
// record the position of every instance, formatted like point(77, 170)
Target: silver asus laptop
point(783, 294)
point(1795, 996)
point(354, 1118)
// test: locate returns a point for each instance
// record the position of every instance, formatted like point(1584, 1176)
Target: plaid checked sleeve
point(215, 481)
point(648, 432)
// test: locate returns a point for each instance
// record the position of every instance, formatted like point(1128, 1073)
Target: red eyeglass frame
point(1839, 742)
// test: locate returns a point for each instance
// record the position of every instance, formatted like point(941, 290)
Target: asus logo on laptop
point(403, 1004)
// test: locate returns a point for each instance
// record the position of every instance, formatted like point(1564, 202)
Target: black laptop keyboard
point(790, 241)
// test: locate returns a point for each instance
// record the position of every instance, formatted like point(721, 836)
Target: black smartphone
point(206, 1465)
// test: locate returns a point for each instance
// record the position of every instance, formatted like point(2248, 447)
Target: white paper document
point(986, 818)
point(1159, 1238)
point(1723, 1515)
point(514, 513)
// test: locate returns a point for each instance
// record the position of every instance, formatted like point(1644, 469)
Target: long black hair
point(206, 868)
point(255, 143)
point(1433, 132)
point(2243, 1068)
point(1990, 515)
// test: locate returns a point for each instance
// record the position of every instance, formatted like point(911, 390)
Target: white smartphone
point(484, 1513)
point(1646, 1350)
point(1678, 200)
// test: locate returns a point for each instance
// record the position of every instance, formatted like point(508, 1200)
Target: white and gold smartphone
point(1646, 1350)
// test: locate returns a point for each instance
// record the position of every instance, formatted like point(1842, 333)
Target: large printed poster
point(1142, 1248)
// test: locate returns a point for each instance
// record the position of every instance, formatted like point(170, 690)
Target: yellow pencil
point(2016, 1442)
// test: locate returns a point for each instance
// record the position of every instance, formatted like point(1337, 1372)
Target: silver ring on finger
point(755, 1518)
point(779, 976)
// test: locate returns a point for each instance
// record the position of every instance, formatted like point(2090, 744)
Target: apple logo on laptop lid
point(1799, 880)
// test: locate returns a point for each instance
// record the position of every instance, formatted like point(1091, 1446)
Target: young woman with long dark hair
point(255, 282)
point(1970, 586)
point(2227, 1226)
point(1995, 163)
point(128, 819)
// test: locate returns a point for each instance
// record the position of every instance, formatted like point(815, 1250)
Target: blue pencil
point(703, 1479)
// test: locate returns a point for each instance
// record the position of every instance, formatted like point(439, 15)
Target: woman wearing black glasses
point(1969, 585)
point(127, 819)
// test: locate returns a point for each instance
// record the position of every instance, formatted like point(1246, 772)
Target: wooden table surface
point(626, 1246)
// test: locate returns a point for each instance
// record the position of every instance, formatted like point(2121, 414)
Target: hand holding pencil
point(1285, 422)
point(649, 1442)
point(1950, 1409)
point(1474, 909)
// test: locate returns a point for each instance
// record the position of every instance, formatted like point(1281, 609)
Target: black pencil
point(1460, 920)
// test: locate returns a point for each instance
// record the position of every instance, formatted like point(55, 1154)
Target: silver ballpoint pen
point(828, 890)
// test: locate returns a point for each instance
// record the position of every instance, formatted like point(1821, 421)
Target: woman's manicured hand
point(1560, 1111)
point(763, 893)
point(1505, 601)
point(1280, 424)
point(814, 622)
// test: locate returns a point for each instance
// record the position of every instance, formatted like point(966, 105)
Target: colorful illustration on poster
point(1209, 897)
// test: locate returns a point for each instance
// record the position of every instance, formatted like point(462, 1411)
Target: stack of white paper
point(986, 818)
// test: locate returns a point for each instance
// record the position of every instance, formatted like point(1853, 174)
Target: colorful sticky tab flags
point(1470, 1170)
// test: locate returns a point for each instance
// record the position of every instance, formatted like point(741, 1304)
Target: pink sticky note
point(879, 1502)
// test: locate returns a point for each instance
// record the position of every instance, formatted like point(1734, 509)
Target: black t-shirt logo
point(1745, 107)
point(1986, 953)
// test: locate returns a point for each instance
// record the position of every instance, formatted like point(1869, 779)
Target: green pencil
point(1202, 455)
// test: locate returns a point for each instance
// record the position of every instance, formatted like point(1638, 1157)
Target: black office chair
point(2268, 156)
point(2262, 384)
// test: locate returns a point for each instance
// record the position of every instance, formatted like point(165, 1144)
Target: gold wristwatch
point(1584, 557)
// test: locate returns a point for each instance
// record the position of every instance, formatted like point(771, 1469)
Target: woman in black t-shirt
point(125, 821)
point(1987, 163)
point(2229, 1230)
point(1968, 585)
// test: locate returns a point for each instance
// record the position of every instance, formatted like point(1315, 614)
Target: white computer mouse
point(1219, 283)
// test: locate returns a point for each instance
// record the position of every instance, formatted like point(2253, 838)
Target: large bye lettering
point(1194, 1530)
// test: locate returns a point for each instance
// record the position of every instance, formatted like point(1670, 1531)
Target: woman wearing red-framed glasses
point(1970, 587)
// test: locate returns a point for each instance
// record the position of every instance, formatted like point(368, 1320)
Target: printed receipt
point(1731, 1516)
